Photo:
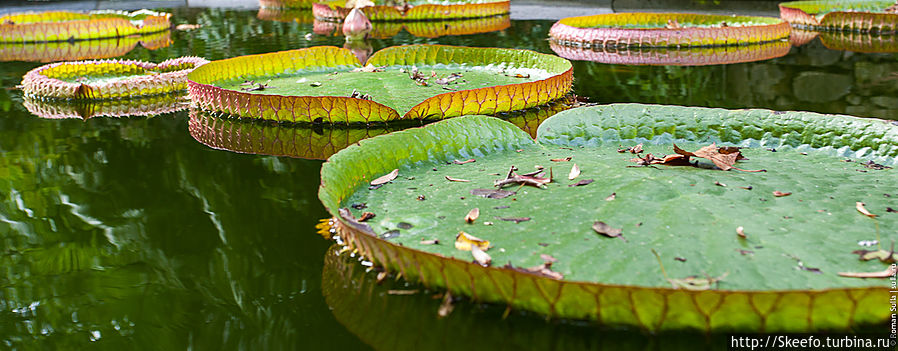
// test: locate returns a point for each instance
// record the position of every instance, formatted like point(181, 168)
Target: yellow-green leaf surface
point(876, 16)
point(316, 84)
point(30, 27)
point(666, 30)
point(109, 79)
point(416, 10)
point(782, 277)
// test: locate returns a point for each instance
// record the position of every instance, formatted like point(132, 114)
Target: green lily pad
point(415, 10)
point(109, 79)
point(30, 27)
point(317, 84)
point(689, 56)
point(781, 276)
point(85, 109)
point(666, 30)
point(876, 16)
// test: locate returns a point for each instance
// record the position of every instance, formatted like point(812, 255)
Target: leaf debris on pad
point(885, 256)
point(575, 172)
point(516, 220)
point(611, 197)
point(369, 69)
point(366, 216)
point(566, 159)
point(633, 149)
point(492, 193)
point(722, 157)
point(465, 241)
point(463, 162)
point(481, 257)
point(741, 232)
point(863, 210)
point(430, 241)
point(606, 230)
point(386, 178)
point(515, 179)
point(691, 282)
point(581, 183)
point(778, 193)
point(544, 269)
point(472, 215)
point(889, 272)
point(456, 179)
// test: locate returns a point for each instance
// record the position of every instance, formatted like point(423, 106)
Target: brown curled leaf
point(778, 193)
point(606, 230)
point(465, 241)
point(456, 179)
point(386, 178)
point(889, 272)
point(863, 210)
point(472, 215)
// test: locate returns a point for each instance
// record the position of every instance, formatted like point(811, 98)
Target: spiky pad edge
point(337, 109)
point(648, 308)
point(63, 25)
point(427, 12)
point(41, 81)
point(674, 56)
point(575, 31)
point(796, 13)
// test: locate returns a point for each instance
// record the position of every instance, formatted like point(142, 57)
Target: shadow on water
point(127, 232)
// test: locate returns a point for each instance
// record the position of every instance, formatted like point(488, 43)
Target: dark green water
point(126, 233)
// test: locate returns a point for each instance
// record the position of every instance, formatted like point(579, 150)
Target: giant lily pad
point(424, 29)
point(415, 10)
point(666, 30)
point(32, 27)
point(877, 16)
point(689, 56)
point(847, 41)
point(81, 50)
point(109, 79)
point(84, 109)
point(317, 84)
point(737, 254)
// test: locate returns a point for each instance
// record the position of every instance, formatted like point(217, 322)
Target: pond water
point(127, 232)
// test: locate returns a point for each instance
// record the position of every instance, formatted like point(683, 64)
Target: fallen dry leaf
point(606, 230)
point(481, 257)
point(366, 216)
point(465, 241)
point(369, 69)
point(889, 272)
point(778, 193)
point(611, 197)
point(463, 162)
point(633, 149)
point(575, 172)
point(860, 208)
point(430, 241)
point(719, 184)
point(566, 159)
point(472, 215)
point(516, 220)
point(456, 179)
point(386, 178)
point(492, 193)
point(741, 232)
point(882, 255)
point(523, 180)
point(690, 282)
point(581, 183)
